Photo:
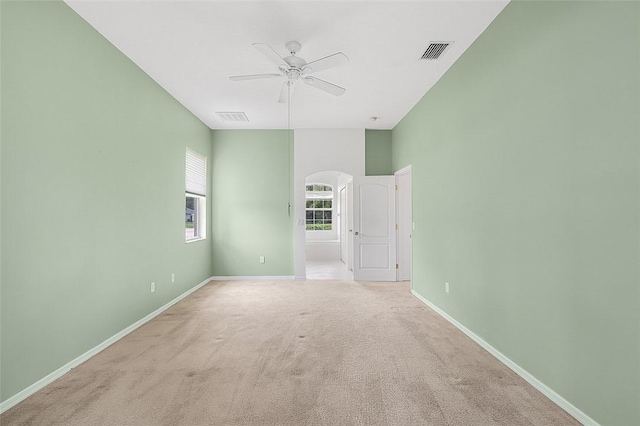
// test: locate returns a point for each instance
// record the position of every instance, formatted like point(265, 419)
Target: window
point(319, 206)
point(195, 216)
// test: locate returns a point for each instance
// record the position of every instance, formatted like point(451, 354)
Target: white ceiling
point(191, 48)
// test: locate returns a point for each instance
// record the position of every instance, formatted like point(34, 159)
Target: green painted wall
point(92, 192)
point(252, 186)
point(377, 149)
point(525, 168)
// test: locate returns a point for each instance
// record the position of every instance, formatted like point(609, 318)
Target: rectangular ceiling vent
point(435, 50)
point(235, 117)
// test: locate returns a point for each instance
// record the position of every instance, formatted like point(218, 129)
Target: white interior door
point(403, 181)
point(374, 234)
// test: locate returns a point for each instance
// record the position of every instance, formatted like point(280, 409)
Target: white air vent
point(435, 50)
point(235, 117)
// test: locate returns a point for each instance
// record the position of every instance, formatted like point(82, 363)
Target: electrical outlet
point(153, 287)
point(446, 287)
point(261, 259)
point(173, 278)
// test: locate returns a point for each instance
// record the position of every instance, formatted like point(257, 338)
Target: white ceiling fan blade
point(285, 93)
point(335, 60)
point(325, 86)
point(271, 54)
point(253, 76)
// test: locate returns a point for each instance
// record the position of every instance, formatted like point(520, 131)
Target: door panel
point(374, 228)
point(374, 256)
point(374, 203)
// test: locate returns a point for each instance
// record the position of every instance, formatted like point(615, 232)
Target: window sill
point(195, 240)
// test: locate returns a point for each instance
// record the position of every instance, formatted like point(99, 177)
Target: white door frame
point(349, 235)
point(342, 218)
point(399, 211)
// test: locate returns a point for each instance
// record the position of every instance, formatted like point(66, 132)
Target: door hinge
point(396, 266)
point(396, 187)
point(396, 226)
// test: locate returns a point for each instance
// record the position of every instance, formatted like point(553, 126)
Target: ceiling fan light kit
point(294, 68)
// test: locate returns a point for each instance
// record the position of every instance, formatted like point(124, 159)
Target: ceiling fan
point(295, 69)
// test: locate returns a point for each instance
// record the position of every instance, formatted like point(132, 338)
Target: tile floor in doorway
point(328, 270)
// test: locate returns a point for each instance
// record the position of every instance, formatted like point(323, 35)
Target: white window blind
point(195, 173)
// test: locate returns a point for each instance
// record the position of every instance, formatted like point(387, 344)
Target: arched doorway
point(326, 226)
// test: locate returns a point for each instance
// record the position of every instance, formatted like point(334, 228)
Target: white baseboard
point(27, 392)
point(547, 391)
point(253, 278)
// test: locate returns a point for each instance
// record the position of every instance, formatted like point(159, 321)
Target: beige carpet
point(292, 353)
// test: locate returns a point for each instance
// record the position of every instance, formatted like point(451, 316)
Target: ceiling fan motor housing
point(295, 61)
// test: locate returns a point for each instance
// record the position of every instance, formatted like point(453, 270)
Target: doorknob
point(356, 233)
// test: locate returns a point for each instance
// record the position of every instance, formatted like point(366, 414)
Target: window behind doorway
point(319, 206)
